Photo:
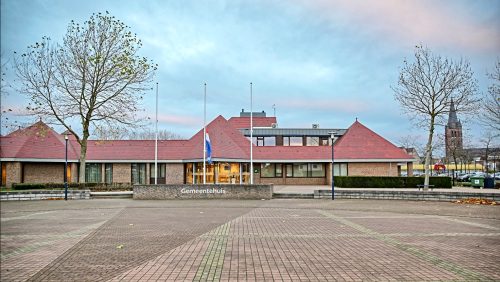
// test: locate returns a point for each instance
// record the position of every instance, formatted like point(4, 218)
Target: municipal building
point(300, 156)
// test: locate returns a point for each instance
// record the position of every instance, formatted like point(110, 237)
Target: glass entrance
point(219, 172)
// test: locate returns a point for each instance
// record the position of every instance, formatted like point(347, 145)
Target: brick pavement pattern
point(280, 240)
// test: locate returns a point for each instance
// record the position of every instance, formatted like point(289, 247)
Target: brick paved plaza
point(292, 240)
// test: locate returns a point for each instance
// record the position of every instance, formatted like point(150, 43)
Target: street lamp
point(66, 169)
point(332, 136)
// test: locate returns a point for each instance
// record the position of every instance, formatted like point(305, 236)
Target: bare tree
point(148, 134)
point(427, 87)
point(94, 77)
point(133, 134)
point(491, 103)
point(488, 140)
point(3, 93)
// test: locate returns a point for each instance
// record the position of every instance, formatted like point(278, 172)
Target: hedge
point(89, 186)
point(389, 182)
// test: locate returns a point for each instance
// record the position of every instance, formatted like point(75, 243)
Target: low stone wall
point(208, 191)
point(404, 195)
point(44, 195)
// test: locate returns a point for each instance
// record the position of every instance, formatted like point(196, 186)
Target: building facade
point(292, 156)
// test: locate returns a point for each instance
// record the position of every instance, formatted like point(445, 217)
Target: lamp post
point(66, 169)
point(332, 136)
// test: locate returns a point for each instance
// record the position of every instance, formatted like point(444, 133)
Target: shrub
point(389, 182)
point(77, 186)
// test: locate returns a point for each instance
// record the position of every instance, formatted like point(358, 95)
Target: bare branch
point(427, 87)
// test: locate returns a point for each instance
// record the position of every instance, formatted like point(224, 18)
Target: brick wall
point(122, 173)
point(74, 172)
point(200, 191)
point(409, 169)
point(174, 173)
point(43, 172)
point(372, 169)
point(13, 170)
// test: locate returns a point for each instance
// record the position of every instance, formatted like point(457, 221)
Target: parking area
point(280, 239)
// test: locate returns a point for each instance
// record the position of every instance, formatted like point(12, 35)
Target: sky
point(320, 62)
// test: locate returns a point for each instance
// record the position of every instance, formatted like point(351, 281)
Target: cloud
point(181, 120)
point(431, 23)
point(338, 105)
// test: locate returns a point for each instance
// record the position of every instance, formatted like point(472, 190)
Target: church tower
point(453, 135)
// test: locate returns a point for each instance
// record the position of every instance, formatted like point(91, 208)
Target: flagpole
point(205, 135)
point(251, 135)
point(156, 138)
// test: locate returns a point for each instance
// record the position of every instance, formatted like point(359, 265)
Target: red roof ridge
point(355, 144)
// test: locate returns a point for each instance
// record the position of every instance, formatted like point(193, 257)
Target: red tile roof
point(359, 142)
point(39, 141)
point(227, 142)
point(136, 149)
point(244, 122)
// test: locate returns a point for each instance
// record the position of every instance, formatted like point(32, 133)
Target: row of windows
point(93, 173)
point(292, 170)
point(291, 141)
point(273, 170)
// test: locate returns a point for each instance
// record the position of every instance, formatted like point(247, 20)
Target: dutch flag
point(209, 149)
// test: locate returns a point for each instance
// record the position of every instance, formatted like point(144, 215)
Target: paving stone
point(281, 240)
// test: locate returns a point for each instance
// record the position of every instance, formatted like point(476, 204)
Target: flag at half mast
point(208, 145)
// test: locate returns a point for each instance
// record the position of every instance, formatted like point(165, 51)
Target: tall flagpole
point(205, 136)
point(251, 135)
point(156, 138)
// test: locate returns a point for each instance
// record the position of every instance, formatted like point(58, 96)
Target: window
point(93, 173)
point(161, 173)
point(267, 170)
point(312, 141)
point(316, 170)
point(279, 170)
point(260, 141)
point(289, 170)
point(270, 141)
point(299, 170)
point(161, 170)
point(264, 141)
point(305, 170)
point(340, 169)
point(292, 141)
point(108, 173)
point(138, 173)
point(324, 141)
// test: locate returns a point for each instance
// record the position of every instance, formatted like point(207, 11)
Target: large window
point(324, 141)
point(93, 173)
point(305, 170)
point(264, 141)
point(108, 173)
point(299, 170)
point(138, 173)
point(312, 141)
point(340, 169)
point(316, 170)
point(161, 173)
point(292, 141)
point(271, 170)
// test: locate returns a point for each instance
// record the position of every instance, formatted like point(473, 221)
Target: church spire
point(453, 121)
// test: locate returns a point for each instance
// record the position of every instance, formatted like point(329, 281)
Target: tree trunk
point(428, 151)
point(83, 157)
